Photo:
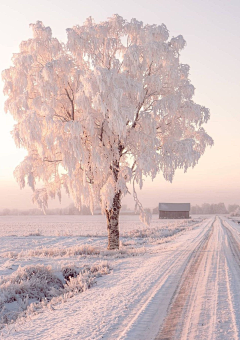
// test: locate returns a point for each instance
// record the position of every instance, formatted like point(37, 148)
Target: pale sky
point(212, 31)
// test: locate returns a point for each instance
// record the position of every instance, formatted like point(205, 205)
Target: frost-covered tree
point(101, 112)
point(233, 207)
point(236, 212)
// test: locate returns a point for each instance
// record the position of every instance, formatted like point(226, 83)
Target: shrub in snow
point(86, 278)
point(26, 285)
point(30, 288)
point(37, 233)
point(69, 272)
point(34, 282)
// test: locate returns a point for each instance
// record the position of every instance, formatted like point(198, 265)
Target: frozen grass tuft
point(30, 288)
point(37, 233)
point(84, 250)
point(155, 233)
point(28, 284)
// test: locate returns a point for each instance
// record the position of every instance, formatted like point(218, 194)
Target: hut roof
point(174, 206)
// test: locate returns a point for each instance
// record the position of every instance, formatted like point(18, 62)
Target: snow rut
point(206, 304)
point(149, 311)
point(181, 306)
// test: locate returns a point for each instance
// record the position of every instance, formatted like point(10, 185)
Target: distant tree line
point(69, 210)
point(205, 208)
point(218, 208)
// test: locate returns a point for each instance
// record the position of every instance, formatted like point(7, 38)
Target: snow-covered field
point(177, 279)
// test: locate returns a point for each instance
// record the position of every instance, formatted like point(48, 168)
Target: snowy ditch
point(31, 288)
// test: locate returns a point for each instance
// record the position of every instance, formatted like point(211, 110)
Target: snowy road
point(188, 288)
point(207, 301)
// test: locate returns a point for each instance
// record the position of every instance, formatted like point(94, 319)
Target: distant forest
point(205, 208)
point(208, 208)
point(69, 210)
point(219, 208)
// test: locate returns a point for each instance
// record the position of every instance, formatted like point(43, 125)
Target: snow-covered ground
point(177, 279)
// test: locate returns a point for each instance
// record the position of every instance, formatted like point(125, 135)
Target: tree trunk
point(112, 222)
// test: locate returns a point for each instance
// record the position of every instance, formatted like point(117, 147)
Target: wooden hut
point(174, 210)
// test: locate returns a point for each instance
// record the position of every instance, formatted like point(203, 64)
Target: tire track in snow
point(183, 299)
point(206, 304)
point(234, 245)
point(229, 300)
point(200, 320)
point(149, 309)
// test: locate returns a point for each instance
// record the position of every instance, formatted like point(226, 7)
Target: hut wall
point(173, 214)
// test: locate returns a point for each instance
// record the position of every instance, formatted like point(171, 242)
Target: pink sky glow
point(211, 30)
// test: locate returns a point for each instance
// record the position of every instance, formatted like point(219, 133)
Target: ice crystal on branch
point(112, 105)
